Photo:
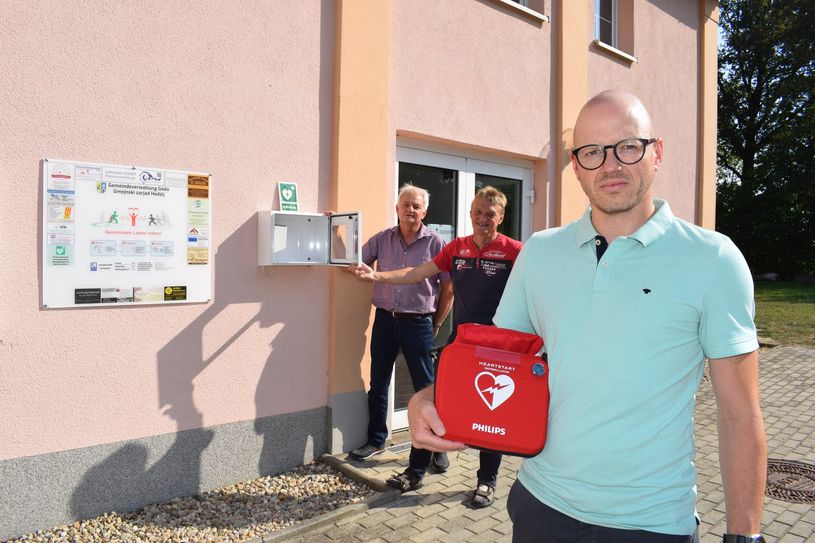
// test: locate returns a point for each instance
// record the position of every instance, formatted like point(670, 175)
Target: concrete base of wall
point(39, 492)
point(349, 412)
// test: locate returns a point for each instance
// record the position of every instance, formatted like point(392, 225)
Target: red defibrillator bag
point(492, 390)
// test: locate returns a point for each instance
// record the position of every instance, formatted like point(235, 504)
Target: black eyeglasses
point(628, 151)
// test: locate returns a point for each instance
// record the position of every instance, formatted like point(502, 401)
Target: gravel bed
point(234, 513)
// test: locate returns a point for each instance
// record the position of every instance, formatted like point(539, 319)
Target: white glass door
point(452, 182)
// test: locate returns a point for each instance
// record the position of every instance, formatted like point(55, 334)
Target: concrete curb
point(384, 495)
point(328, 518)
point(355, 474)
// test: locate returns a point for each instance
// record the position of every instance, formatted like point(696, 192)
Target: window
point(605, 21)
point(614, 28)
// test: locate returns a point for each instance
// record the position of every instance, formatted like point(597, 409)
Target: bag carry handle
point(483, 335)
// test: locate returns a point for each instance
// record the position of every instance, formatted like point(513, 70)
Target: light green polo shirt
point(626, 339)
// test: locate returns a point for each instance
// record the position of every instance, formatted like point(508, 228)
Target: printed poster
point(120, 235)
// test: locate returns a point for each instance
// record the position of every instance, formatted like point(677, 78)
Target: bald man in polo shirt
point(629, 300)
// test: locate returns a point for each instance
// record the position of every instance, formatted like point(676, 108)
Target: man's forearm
point(743, 460)
point(445, 303)
point(407, 276)
point(401, 276)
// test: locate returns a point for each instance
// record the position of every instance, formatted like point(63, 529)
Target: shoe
point(365, 452)
point(483, 496)
point(404, 481)
point(439, 462)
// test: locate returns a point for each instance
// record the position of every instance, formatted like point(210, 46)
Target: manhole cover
point(790, 481)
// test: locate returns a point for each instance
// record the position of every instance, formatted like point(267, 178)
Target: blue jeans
point(415, 337)
point(535, 521)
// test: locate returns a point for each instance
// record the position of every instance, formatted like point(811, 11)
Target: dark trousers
point(415, 337)
point(489, 462)
point(533, 521)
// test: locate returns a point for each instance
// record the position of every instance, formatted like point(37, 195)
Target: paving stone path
point(437, 511)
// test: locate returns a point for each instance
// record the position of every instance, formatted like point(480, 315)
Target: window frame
point(522, 7)
point(622, 29)
point(468, 165)
point(615, 17)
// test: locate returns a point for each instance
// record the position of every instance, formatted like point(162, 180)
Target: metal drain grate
point(399, 447)
point(790, 481)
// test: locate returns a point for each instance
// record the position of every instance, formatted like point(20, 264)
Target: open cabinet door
point(346, 238)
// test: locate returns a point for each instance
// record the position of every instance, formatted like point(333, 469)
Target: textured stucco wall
point(238, 89)
point(472, 72)
point(666, 78)
point(244, 91)
point(38, 492)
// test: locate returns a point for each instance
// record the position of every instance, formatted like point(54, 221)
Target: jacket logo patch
point(494, 389)
point(494, 254)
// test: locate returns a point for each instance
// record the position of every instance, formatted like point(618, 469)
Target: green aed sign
point(288, 196)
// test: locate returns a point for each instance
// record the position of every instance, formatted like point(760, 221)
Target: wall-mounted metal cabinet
point(286, 238)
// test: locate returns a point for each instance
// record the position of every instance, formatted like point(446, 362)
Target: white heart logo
point(494, 389)
point(287, 194)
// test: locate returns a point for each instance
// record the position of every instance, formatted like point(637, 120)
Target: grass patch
point(785, 312)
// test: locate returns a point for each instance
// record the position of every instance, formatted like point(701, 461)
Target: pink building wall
point(244, 91)
point(473, 73)
point(239, 89)
point(666, 79)
point(476, 75)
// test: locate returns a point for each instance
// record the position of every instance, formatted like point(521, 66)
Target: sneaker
point(483, 496)
point(404, 481)
point(439, 462)
point(365, 452)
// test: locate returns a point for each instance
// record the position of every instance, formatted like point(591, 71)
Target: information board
point(124, 235)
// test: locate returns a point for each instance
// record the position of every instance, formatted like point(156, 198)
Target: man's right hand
point(362, 271)
point(426, 428)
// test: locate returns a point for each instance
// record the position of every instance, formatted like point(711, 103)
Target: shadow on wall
point(293, 444)
point(123, 481)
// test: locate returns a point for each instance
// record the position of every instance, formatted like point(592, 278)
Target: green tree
point(766, 138)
